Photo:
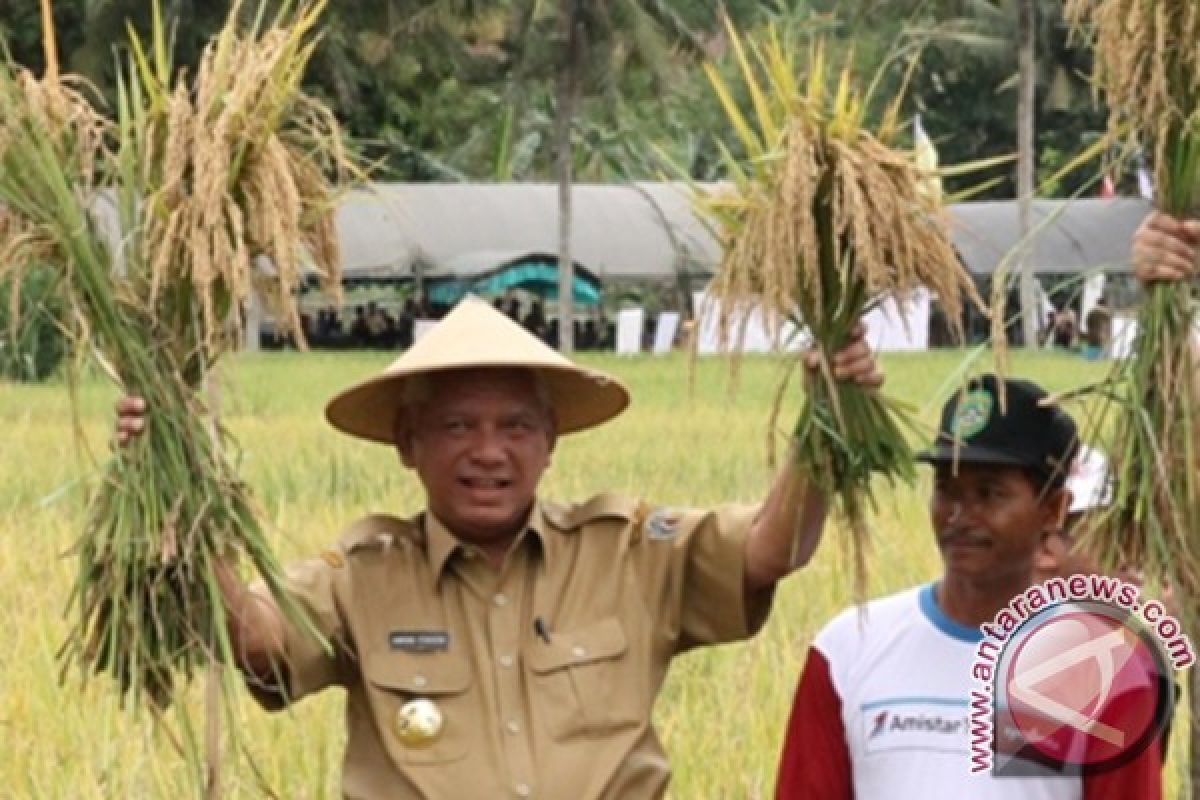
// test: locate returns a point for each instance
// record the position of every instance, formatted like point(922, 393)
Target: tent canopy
point(491, 273)
point(626, 231)
point(1069, 236)
point(651, 231)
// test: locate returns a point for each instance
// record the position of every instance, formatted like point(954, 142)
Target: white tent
point(1069, 236)
point(630, 231)
point(651, 230)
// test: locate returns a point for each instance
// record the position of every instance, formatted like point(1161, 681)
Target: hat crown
point(475, 336)
point(1025, 431)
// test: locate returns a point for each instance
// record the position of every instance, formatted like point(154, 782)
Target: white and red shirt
point(882, 711)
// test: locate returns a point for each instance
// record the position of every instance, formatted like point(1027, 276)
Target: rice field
point(722, 712)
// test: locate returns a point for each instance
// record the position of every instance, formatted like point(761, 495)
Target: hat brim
point(967, 454)
point(581, 399)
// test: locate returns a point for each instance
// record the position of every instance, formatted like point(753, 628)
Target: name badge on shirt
point(419, 641)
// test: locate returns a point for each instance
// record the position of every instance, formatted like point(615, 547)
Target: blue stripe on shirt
point(933, 612)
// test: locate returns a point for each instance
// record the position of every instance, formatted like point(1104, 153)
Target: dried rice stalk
point(1148, 68)
point(206, 177)
point(826, 220)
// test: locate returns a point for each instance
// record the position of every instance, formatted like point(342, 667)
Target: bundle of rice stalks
point(209, 178)
point(825, 221)
point(1148, 68)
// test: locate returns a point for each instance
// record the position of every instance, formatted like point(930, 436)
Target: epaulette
point(602, 506)
point(376, 532)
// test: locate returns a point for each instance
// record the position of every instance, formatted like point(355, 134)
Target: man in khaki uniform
point(498, 645)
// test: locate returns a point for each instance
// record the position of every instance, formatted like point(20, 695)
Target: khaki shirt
point(617, 589)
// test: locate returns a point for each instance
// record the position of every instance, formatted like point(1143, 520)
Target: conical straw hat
point(476, 336)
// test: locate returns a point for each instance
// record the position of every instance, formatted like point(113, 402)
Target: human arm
point(1166, 249)
point(255, 627)
point(788, 528)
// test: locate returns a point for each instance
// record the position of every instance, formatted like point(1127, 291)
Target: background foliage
point(465, 89)
point(31, 340)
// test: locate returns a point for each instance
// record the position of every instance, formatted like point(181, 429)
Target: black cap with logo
point(1037, 436)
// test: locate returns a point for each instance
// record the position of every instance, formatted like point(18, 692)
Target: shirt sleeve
point(705, 587)
point(815, 762)
point(1140, 777)
point(309, 664)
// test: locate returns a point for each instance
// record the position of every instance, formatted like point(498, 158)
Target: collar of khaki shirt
point(442, 544)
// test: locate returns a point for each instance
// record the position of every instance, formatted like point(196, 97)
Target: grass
point(723, 710)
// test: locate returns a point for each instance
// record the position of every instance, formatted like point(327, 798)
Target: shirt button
point(578, 651)
point(506, 661)
point(513, 726)
point(523, 790)
point(501, 600)
point(420, 681)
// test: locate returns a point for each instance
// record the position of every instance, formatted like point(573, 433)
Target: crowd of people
point(1063, 331)
point(380, 326)
point(374, 325)
point(593, 332)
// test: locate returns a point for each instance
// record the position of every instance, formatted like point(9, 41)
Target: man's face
point(479, 443)
point(990, 522)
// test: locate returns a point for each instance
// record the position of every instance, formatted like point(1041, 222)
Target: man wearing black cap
point(883, 705)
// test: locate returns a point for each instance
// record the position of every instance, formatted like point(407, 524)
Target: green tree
point(971, 72)
point(588, 51)
point(32, 344)
point(442, 89)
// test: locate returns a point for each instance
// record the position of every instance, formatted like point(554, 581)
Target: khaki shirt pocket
point(396, 679)
point(583, 680)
